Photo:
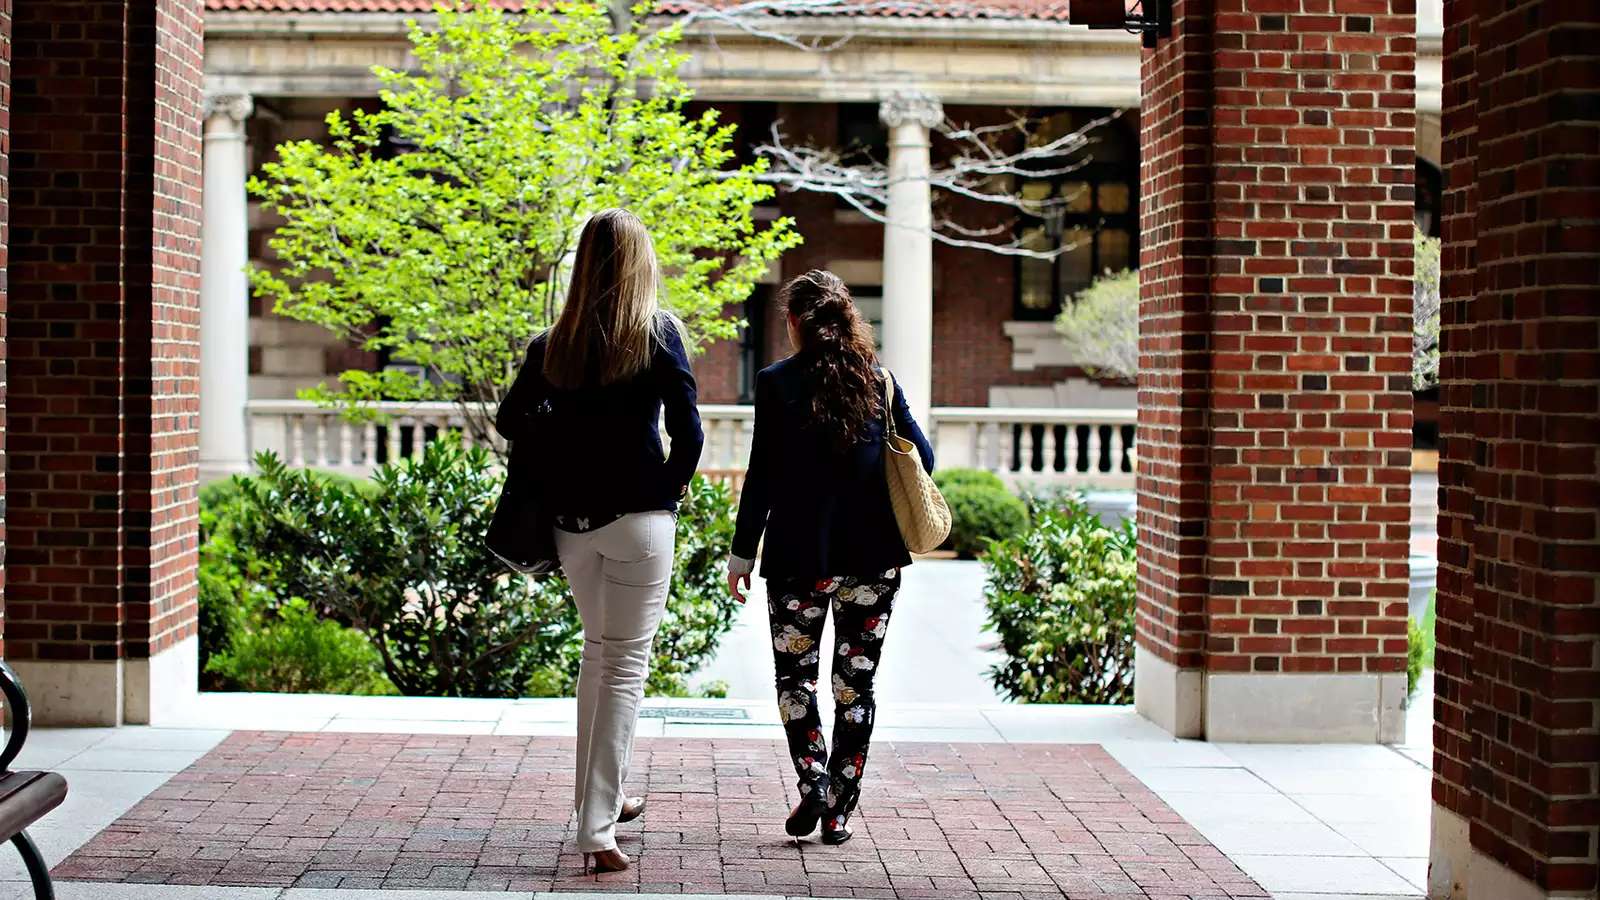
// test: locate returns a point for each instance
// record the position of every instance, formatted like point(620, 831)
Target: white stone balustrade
point(1088, 448)
point(308, 434)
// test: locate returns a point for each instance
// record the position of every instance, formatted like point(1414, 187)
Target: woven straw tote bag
point(919, 508)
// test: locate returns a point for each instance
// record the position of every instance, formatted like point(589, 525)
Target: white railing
point(1090, 448)
point(308, 434)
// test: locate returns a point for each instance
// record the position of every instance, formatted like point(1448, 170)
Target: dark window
point(862, 138)
point(753, 341)
point(862, 135)
point(869, 302)
point(1090, 213)
point(1430, 193)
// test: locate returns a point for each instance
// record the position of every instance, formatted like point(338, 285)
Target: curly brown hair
point(837, 346)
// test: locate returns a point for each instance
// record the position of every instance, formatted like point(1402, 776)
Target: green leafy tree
point(515, 126)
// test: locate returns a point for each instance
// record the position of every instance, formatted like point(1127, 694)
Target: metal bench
point(25, 797)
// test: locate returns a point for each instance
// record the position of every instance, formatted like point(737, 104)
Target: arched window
point(1093, 216)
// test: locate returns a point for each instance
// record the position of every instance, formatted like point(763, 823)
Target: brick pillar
point(1274, 392)
point(5, 242)
point(1517, 711)
point(103, 350)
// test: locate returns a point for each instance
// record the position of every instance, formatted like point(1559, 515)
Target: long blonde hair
point(612, 318)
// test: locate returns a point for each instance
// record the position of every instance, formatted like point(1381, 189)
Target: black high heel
point(803, 820)
point(835, 831)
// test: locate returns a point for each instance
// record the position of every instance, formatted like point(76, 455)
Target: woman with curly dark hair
point(816, 487)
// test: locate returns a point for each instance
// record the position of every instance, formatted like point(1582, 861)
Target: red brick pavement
point(945, 821)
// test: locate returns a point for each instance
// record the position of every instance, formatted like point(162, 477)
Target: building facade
point(965, 327)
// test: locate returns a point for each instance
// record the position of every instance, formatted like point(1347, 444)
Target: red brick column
point(162, 374)
point(103, 354)
point(1275, 404)
point(5, 243)
point(1517, 714)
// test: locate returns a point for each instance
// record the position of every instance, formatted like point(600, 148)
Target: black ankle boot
point(835, 831)
point(803, 820)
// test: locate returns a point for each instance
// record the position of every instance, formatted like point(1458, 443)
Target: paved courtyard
point(490, 813)
point(465, 798)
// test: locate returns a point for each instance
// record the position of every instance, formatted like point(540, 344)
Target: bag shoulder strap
point(888, 402)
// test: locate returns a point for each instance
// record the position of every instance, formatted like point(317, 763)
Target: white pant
point(619, 576)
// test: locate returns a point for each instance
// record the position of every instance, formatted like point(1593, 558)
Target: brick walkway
point(490, 813)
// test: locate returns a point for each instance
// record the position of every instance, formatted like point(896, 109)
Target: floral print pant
point(798, 611)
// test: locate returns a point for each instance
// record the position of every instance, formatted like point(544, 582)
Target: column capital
point(911, 107)
point(234, 107)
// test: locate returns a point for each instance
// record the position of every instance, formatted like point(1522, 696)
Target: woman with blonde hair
point(586, 402)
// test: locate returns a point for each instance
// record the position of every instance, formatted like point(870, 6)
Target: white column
point(224, 290)
point(908, 248)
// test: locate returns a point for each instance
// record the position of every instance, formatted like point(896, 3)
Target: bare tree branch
point(983, 167)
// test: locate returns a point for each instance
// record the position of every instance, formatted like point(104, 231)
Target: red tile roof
point(913, 9)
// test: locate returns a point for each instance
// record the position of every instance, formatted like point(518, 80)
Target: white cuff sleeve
point(738, 565)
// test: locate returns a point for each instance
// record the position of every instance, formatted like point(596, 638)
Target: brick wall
point(1517, 734)
point(102, 315)
point(1458, 230)
point(5, 242)
point(1275, 406)
point(162, 369)
point(63, 564)
point(1173, 396)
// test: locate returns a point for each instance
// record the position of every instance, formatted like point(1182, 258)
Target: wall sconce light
point(1151, 19)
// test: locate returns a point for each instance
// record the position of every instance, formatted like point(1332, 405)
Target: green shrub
point(235, 581)
point(404, 562)
point(1039, 498)
point(980, 514)
point(295, 651)
point(226, 578)
point(949, 478)
point(1061, 599)
point(699, 610)
point(401, 559)
point(1100, 326)
point(1420, 643)
point(1415, 641)
point(713, 690)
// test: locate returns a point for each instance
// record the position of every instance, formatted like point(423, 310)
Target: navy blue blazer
point(825, 513)
point(597, 450)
